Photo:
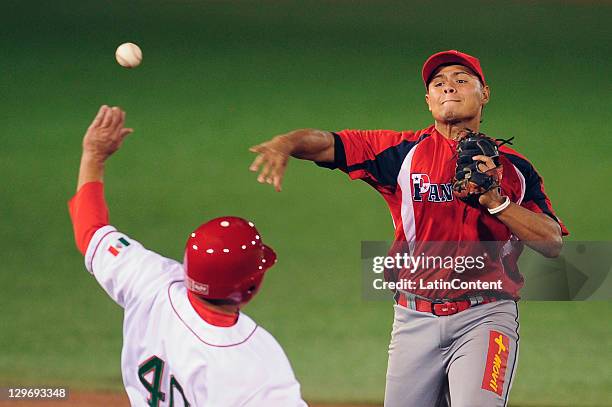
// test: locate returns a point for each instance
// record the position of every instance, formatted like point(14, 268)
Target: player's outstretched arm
point(88, 210)
point(104, 136)
point(273, 155)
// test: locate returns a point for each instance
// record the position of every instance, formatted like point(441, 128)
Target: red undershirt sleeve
point(88, 212)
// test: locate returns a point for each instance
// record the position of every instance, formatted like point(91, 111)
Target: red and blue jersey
point(413, 172)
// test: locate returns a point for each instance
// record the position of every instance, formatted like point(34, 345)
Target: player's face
point(455, 94)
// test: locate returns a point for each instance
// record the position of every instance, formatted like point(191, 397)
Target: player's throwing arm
point(273, 155)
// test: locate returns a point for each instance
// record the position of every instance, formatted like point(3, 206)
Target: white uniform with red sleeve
point(171, 356)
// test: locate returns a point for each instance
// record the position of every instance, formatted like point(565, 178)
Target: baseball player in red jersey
point(186, 343)
point(448, 346)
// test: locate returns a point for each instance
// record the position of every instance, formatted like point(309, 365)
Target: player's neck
point(219, 315)
point(453, 130)
point(227, 309)
point(222, 309)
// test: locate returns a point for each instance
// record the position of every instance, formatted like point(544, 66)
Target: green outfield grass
point(222, 76)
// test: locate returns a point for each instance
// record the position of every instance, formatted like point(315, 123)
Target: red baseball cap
point(451, 57)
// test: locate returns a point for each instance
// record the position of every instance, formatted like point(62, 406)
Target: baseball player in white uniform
point(186, 343)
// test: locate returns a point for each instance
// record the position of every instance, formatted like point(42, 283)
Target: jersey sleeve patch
point(125, 269)
point(116, 247)
point(96, 244)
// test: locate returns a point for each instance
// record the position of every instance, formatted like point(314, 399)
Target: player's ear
point(427, 100)
point(486, 94)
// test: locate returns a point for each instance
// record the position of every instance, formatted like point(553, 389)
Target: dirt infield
point(104, 399)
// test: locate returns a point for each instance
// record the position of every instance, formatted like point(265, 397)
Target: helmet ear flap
point(269, 256)
point(254, 283)
point(252, 288)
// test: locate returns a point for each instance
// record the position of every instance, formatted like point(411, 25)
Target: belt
point(441, 308)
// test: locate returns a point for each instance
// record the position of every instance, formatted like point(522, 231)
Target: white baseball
point(128, 55)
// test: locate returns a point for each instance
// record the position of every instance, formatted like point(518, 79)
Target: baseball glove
point(470, 181)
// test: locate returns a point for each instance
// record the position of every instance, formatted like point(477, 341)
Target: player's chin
point(454, 115)
point(450, 116)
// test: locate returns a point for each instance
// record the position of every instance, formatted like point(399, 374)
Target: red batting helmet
point(226, 259)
